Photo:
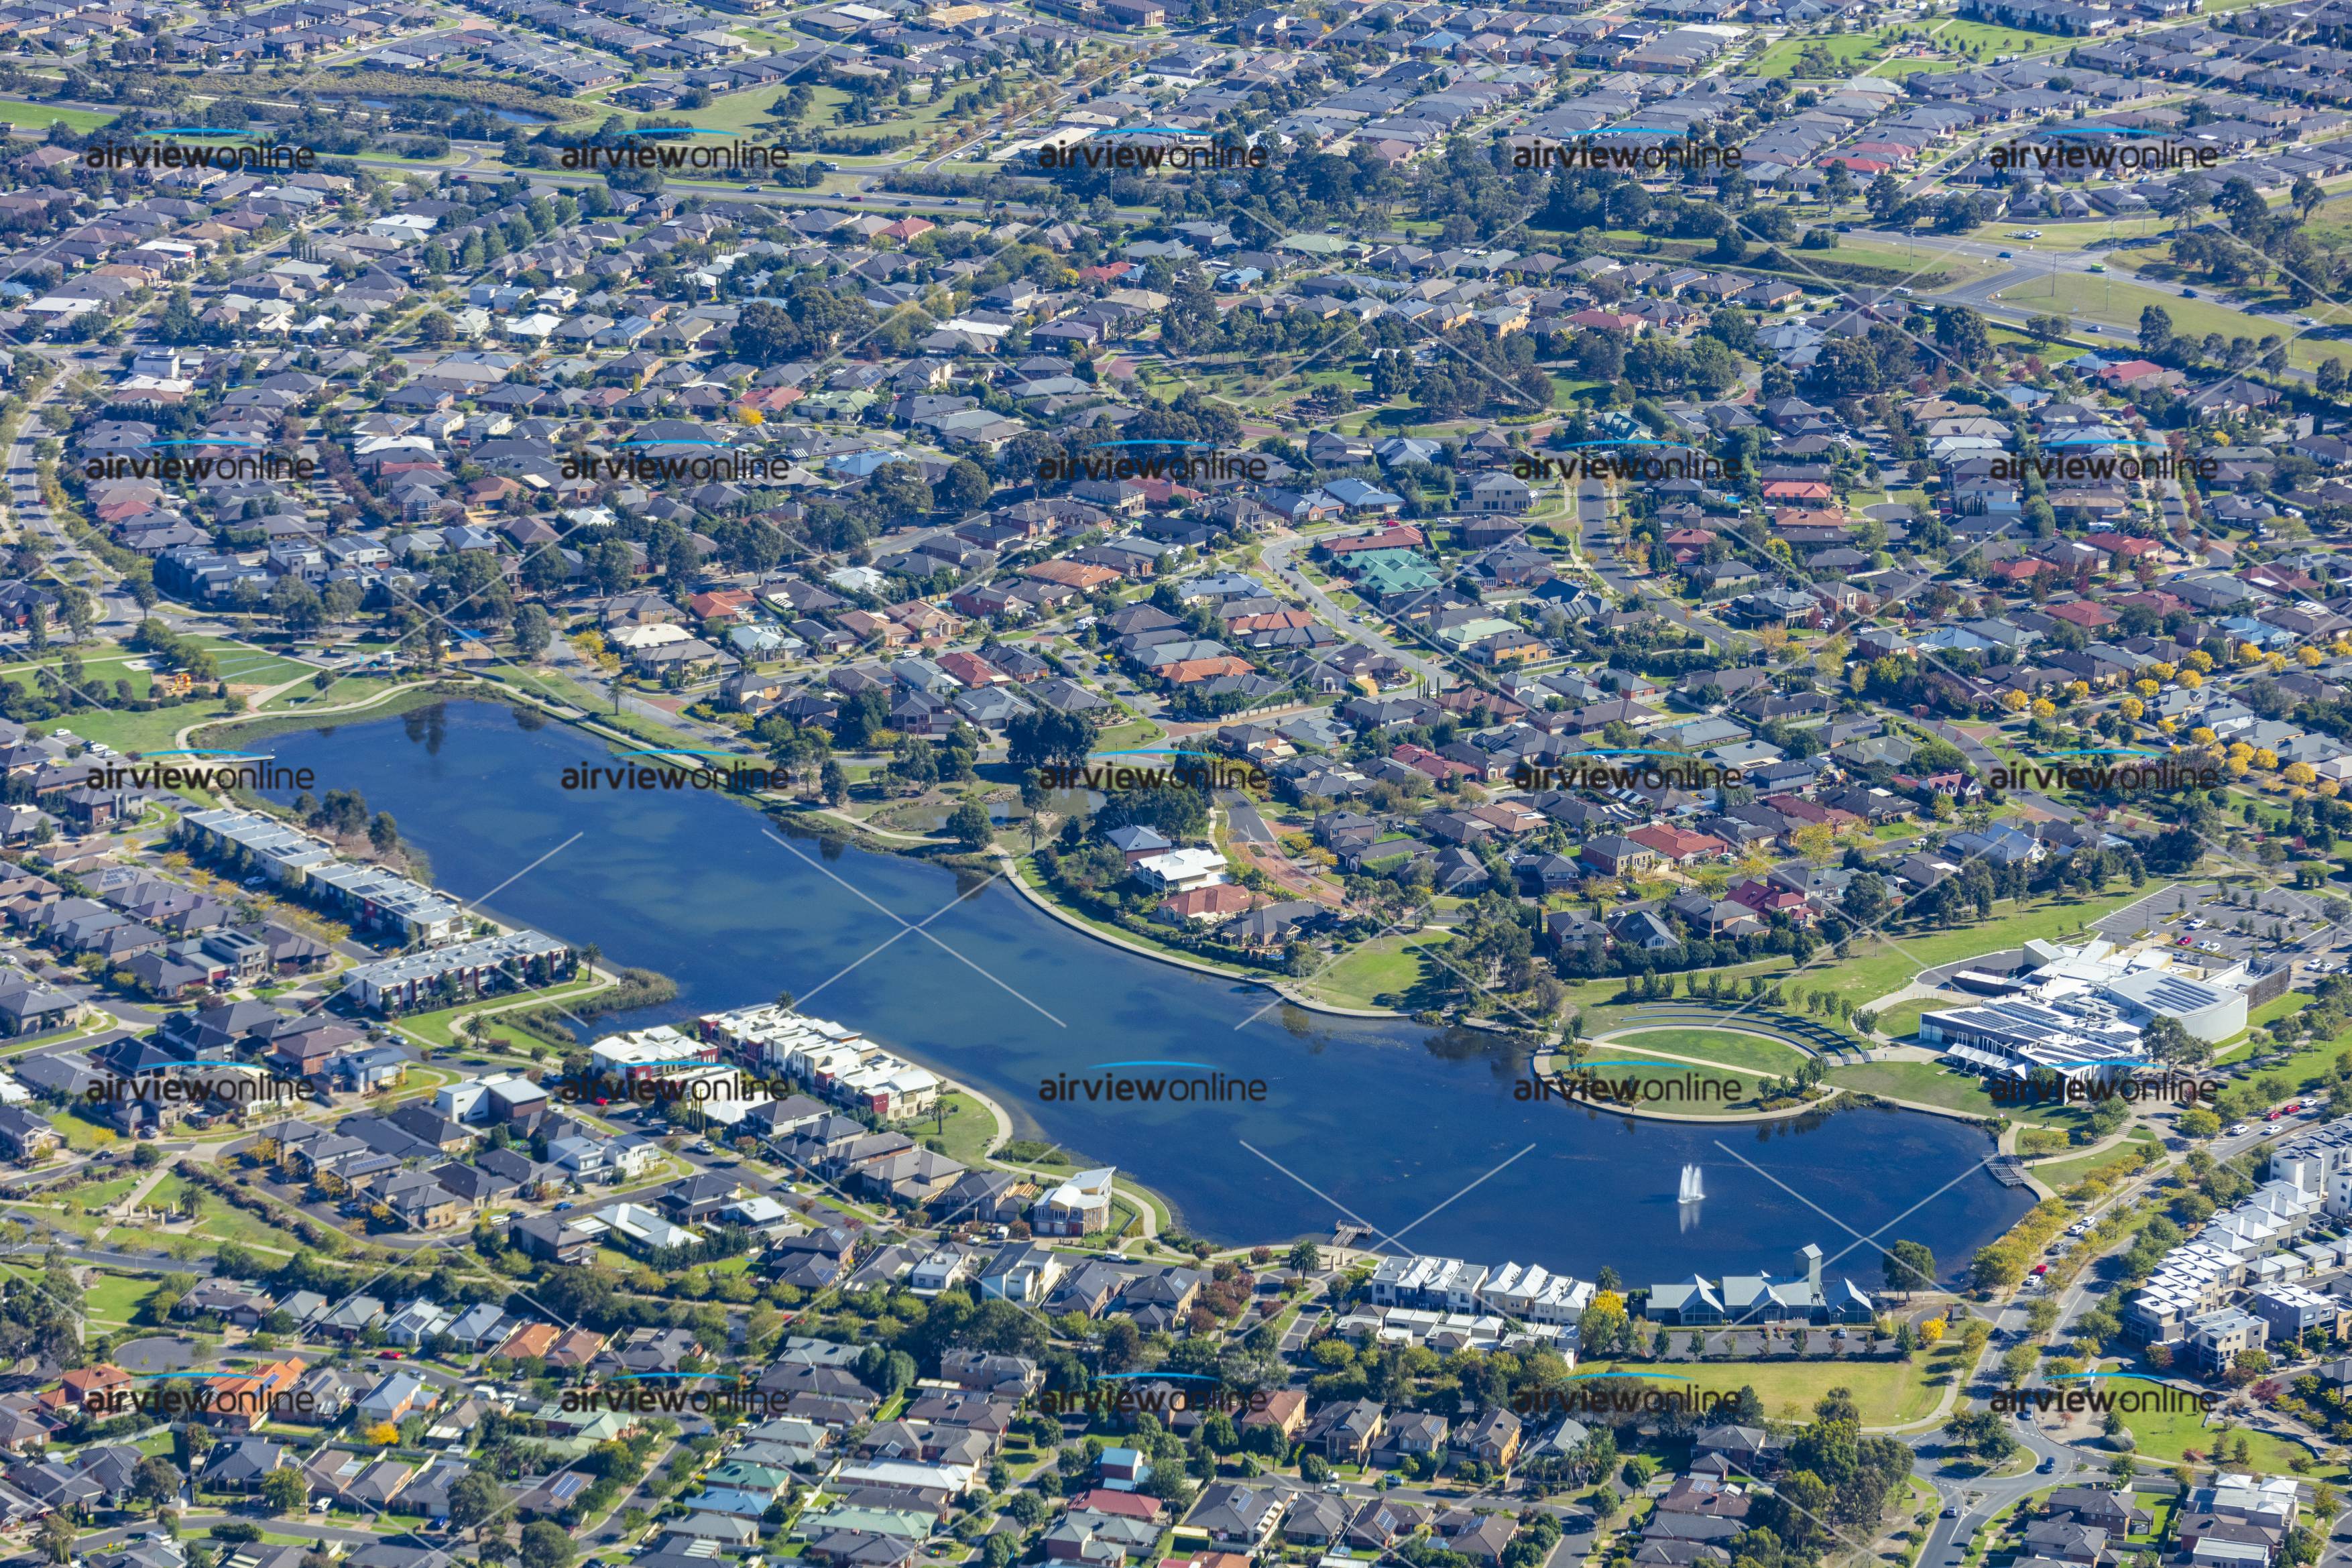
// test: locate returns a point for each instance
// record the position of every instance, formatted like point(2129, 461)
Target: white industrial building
point(2081, 1011)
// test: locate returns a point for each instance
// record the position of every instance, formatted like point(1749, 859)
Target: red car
point(2040, 1269)
point(391, 1355)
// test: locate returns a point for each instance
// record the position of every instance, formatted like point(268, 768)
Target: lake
point(1413, 1132)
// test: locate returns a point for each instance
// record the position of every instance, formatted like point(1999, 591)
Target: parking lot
point(2230, 925)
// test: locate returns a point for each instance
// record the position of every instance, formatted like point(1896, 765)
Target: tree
point(545, 1545)
point(833, 783)
point(1035, 740)
point(156, 1481)
point(899, 490)
point(1305, 1258)
point(970, 825)
point(383, 834)
point(965, 487)
point(532, 630)
point(474, 1500)
point(2166, 1041)
point(1960, 333)
point(283, 1490)
point(1909, 1267)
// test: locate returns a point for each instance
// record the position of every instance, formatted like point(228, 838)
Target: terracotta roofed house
point(528, 1343)
point(1210, 905)
point(1677, 845)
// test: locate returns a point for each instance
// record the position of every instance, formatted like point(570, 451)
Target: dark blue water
point(1386, 1122)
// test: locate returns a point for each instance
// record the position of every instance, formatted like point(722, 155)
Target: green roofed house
point(1360, 562)
point(752, 1478)
point(1411, 575)
point(905, 1524)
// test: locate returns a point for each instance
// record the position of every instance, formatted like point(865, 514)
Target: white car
point(2236, 1128)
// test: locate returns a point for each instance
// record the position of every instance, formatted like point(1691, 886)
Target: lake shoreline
point(792, 811)
point(1369, 1119)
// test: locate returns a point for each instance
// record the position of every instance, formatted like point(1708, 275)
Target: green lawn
point(222, 1223)
point(432, 1028)
point(968, 1128)
point(2165, 1438)
point(1901, 1021)
point(1912, 261)
point(1849, 50)
point(2060, 1174)
point(1922, 1082)
point(127, 731)
point(41, 116)
point(81, 1135)
point(242, 664)
point(1642, 1084)
point(1930, 1085)
point(1888, 1393)
point(1888, 963)
point(1379, 974)
point(1723, 1046)
point(2081, 297)
point(1999, 40)
point(116, 1298)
